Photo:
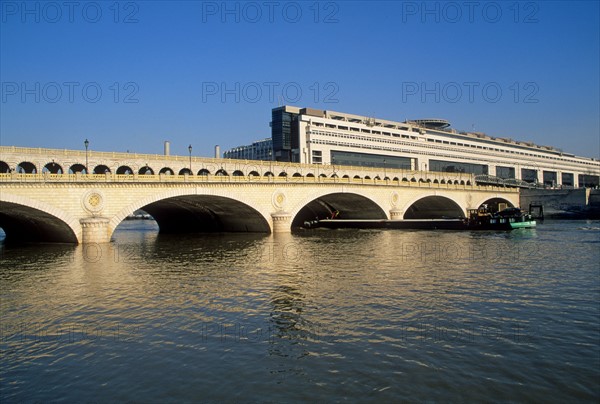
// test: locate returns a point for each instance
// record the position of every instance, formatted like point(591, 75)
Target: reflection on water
point(314, 315)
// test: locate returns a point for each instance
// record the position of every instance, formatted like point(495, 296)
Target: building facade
point(311, 136)
point(259, 150)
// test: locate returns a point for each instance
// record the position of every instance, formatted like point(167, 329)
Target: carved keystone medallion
point(278, 199)
point(93, 201)
point(394, 198)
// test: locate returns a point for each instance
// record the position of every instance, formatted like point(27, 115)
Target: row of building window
point(433, 152)
point(485, 150)
point(355, 129)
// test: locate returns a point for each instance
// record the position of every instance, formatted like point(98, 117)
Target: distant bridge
point(189, 194)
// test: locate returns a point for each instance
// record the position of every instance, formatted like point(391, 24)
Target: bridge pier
point(282, 222)
point(94, 230)
point(396, 214)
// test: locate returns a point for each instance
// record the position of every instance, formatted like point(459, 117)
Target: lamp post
point(384, 170)
point(190, 150)
point(86, 143)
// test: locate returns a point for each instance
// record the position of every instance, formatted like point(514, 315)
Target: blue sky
point(130, 75)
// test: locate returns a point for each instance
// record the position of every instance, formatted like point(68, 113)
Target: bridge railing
point(80, 178)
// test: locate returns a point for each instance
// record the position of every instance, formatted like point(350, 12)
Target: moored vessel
point(478, 219)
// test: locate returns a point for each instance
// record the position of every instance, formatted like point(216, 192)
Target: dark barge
point(479, 219)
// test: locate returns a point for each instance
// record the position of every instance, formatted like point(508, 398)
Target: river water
point(321, 315)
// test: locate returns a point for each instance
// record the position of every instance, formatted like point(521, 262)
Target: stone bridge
point(212, 195)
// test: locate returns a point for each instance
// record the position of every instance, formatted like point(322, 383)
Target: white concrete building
point(259, 150)
point(313, 136)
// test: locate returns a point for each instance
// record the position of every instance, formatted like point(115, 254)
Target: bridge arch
point(145, 170)
point(52, 168)
point(433, 207)
point(101, 169)
point(77, 168)
point(493, 203)
point(26, 220)
point(124, 170)
point(4, 167)
point(187, 211)
point(251, 168)
point(350, 205)
point(26, 167)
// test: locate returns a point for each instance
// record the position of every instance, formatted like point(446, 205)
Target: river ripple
point(315, 315)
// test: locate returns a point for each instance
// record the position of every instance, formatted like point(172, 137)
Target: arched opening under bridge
point(101, 169)
point(26, 224)
point(124, 170)
point(496, 204)
point(434, 207)
point(146, 171)
point(349, 206)
point(77, 168)
point(26, 167)
point(52, 168)
point(205, 214)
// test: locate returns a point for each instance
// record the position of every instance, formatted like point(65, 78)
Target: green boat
point(506, 219)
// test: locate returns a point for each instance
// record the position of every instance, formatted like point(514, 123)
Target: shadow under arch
point(434, 207)
point(200, 214)
point(25, 224)
point(494, 204)
point(26, 167)
point(4, 167)
point(124, 170)
point(101, 169)
point(52, 168)
point(349, 206)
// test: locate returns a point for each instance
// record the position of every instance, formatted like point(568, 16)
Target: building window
point(529, 175)
point(505, 172)
point(567, 179)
